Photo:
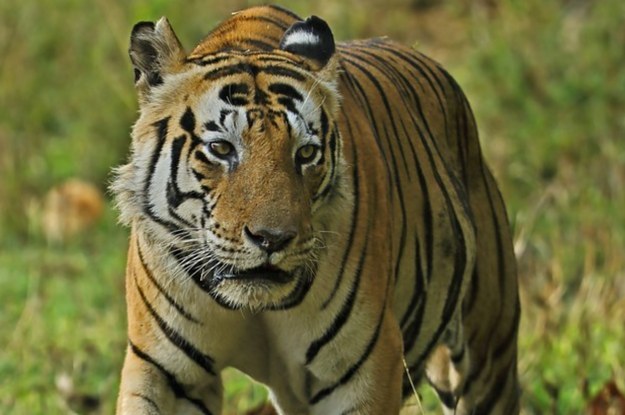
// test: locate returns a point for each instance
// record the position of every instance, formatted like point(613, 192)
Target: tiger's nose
point(270, 240)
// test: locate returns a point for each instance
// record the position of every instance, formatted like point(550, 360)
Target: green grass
point(547, 83)
point(550, 102)
point(61, 317)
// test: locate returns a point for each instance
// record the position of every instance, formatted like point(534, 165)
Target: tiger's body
point(310, 216)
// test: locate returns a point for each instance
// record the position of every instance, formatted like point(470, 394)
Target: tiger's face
point(235, 164)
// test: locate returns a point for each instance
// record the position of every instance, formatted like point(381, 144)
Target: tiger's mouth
point(261, 274)
point(264, 287)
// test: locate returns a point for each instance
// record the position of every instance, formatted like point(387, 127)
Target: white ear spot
point(301, 38)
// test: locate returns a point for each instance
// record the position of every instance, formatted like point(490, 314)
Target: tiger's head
point(236, 167)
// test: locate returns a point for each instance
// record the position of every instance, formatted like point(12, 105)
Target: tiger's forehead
point(267, 82)
point(238, 107)
point(255, 69)
point(250, 57)
point(248, 94)
point(233, 92)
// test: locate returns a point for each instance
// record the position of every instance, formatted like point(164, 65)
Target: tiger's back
point(432, 162)
point(410, 254)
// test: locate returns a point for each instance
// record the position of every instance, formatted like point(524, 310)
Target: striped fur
point(310, 216)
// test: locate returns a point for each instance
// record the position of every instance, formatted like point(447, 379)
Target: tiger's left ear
point(311, 39)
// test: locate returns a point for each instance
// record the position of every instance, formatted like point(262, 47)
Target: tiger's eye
point(306, 153)
point(221, 149)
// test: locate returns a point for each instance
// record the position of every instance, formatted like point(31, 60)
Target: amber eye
point(306, 154)
point(221, 149)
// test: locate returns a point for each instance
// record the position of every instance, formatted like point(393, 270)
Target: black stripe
point(147, 400)
point(369, 348)
point(352, 370)
point(460, 263)
point(411, 330)
point(283, 71)
point(203, 360)
point(224, 71)
point(505, 346)
point(417, 164)
point(424, 70)
point(148, 207)
point(209, 59)
point(259, 44)
point(287, 90)
point(212, 126)
point(175, 197)
point(501, 266)
point(174, 385)
point(496, 391)
point(222, 116)
point(447, 398)
point(187, 121)
point(453, 293)
point(325, 129)
point(160, 288)
point(460, 257)
point(297, 295)
point(428, 218)
point(450, 173)
point(200, 156)
point(161, 133)
point(413, 374)
point(192, 268)
point(418, 292)
point(396, 177)
point(272, 59)
point(344, 313)
point(324, 123)
point(449, 204)
point(354, 215)
point(427, 221)
point(322, 193)
point(450, 303)
point(359, 94)
point(457, 358)
point(462, 139)
point(389, 73)
point(235, 94)
point(509, 339)
point(470, 297)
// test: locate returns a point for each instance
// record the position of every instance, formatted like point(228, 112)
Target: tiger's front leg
point(149, 388)
point(375, 388)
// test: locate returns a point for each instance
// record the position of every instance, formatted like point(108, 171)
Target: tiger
point(315, 214)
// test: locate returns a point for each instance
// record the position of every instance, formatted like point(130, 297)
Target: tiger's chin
point(255, 289)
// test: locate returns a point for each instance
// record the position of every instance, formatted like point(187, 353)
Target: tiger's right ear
point(154, 51)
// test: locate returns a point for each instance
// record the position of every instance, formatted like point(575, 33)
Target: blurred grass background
point(546, 79)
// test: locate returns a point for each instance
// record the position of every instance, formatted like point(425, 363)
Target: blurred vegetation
point(547, 84)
